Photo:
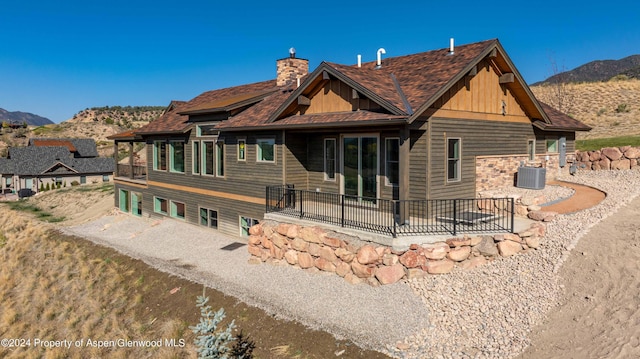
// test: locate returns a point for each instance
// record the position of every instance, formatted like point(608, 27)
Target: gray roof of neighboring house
point(85, 147)
point(34, 161)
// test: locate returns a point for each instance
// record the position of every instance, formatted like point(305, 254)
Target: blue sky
point(60, 57)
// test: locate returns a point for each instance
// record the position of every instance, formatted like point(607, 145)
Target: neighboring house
point(435, 125)
point(52, 161)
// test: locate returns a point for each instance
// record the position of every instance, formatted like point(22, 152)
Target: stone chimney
point(290, 69)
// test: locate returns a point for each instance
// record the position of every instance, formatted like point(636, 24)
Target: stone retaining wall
point(317, 249)
point(609, 158)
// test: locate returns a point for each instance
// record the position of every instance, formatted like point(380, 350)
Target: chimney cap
point(292, 52)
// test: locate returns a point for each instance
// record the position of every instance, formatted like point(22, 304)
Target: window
point(220, 158)
point(453, 159)
point(207, 157)
point(105, 178)
point(160, 205)
point(209, 218)
point(83, 179)
point(330, 159)
point(207, 131)
point(195, 158)
point(177, 210)
point(136, 203)
point(58, 181)
point(242, 147)
point(7, 181)
point(159, 155)
point(531, 150)
point(123, 200)
point(266, 149)
point(176, 156)
point(392, 160)
point(552, 146)
point(245, 224)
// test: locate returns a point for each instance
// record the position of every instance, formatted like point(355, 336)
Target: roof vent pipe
point(451, 52)
point(359, 60)
point(381, 51)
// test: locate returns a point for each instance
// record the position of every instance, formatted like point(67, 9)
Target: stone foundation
point(609, 158)
point(317, 249)
point(499, 171)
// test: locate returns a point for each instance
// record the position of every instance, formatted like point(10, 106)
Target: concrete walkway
point(583, 198)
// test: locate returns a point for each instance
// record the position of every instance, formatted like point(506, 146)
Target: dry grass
point(612, 108)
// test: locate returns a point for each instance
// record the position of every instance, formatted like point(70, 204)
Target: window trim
point(259, 149)
point(554, 141)
point(248, 219)
point(531, 151)
point(126, 195)
point(199, 130)
point(172, 155)
point(156, 159)
point(242, 140)
point(209, 221)
point(157, 208)
point(335, 161)
point(203, 155)
point(458, 178)
point(173, 210)
point(196, 165)
point(137, 195)
point(219, 158)
point(386, 162)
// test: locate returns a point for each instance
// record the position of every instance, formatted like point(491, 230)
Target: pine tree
point(211, 342)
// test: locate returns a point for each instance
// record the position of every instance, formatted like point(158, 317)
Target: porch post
point(115, 157)
point(403, 180)
point(131, 159)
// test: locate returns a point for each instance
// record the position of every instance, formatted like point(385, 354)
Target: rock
point(266, 242)
point(435, 251)
point(604, 164)
point(352, 278)
point(594, 156)
point(279, 241)
point(299, 244)
point(367, 255)
point(509, 248)
point(314, 249)
point(255, 239)
point(611, 153)
point(521, 210)
point(459, 254)
point(525, 234)
point(473, 262)
point(632, 153)
point(538, 228)
point(291, 257)
point(324, 265)
point(256, 229)
point(390, 259)
point(474, 241)
point(277, 253)
point(390, 274)
point(458, 242)
point(409, 259)
point(533, 242)
point(312, 234)
point(328, 254)
point(305, 260)
point(254, 251)
point(507, 237)
point(332, 242)
point(381, 251)
point(487, 247)
point(362, 270)
point(342, 269)
point(534, 207)
point(439, 266)
point(414, 273)
point(254, 260)
point(345, 255)
point(622, 164)
point(543, 216)
point(293, 231)
point(283, 228)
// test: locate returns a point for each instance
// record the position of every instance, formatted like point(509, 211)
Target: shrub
point(75, 183)
point(622, 108)
point(47, 187)
point(210, 341)
point(41, 187)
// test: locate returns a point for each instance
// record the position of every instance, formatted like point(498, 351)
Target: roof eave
point(361, 123)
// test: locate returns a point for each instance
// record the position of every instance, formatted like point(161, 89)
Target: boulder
point(594, 156)
point(291, 257)
point(367, 255)
point(390, 274)
point(352, 278)
point(475, 241)
point(293, 231)
point(255, 251)
point(328, 254)
point(255, 239)
point(439, 266)
point(362, 270)
point(435, 251)
point(256, 229)
point(533, 242)
point(342, 269)
point(542, 216)
point(305, 260)
point(266, 242)
point(473, 262)
point(603, 164)
point(509, 248)
point(611, 153)
point(507, 237)
point(632, 153)
point(458, 242)
point(345, 255)
point(279, 241)
point(621, 164)
point(390, 259)
point(312, 234)
point(299, 244)
point(487, 247)
point(409, 259)
point(314, 249)
point(331, 242)
point(283, 228)
point(413, 273)
point(324, 265)
point(459, 254)
point(254, 260)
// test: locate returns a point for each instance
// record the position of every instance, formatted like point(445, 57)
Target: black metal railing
point(135, 171)
point(394, 217)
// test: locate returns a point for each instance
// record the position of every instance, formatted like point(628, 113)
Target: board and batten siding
point(478, 138)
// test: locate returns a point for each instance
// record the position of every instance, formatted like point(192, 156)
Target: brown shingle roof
point(560, 121)
point(54, 143)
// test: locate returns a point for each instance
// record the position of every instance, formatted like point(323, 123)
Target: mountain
point(599, 70)
point(18, 117)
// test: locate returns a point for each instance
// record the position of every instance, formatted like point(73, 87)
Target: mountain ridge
point(19, 117)
point(597, 70)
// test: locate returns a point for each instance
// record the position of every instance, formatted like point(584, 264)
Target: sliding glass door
point(360, 166)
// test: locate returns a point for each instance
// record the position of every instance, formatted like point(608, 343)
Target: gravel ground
point(484, 313)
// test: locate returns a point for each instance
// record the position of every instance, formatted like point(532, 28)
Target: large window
point(160, 205)
point(208, 150)
point(453, 159)
point(242, 150)
point(266, 150)
point(195, 158)
point(531, 150)
point(176, 156)
point(392, 161)
point(552, 146)
point(209, 217)
point(177, 210)
point(220, 158)
point(245, 224)
point(330, 159)
point(159, 155)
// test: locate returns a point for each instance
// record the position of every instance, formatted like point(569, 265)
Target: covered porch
point(130, 165)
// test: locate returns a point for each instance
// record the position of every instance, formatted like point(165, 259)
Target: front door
point(360, 166)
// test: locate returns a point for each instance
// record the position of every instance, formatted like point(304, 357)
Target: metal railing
point(394, 217)
point(135, 171)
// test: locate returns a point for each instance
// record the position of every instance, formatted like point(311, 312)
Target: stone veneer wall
point(317, 249)
point(499, 171)
point(609, 158)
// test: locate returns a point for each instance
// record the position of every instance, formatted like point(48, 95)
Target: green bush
point(623, 107)
point(47, 187)
point(75, 183)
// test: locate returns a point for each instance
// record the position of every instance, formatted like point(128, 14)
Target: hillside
point(612, 108)
point(17, 117)
point(599, 70)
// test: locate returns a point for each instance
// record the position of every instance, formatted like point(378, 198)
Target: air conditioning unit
point(531, 177)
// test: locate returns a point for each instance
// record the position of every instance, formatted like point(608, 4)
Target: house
point(53, 161)
point(438, 125)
